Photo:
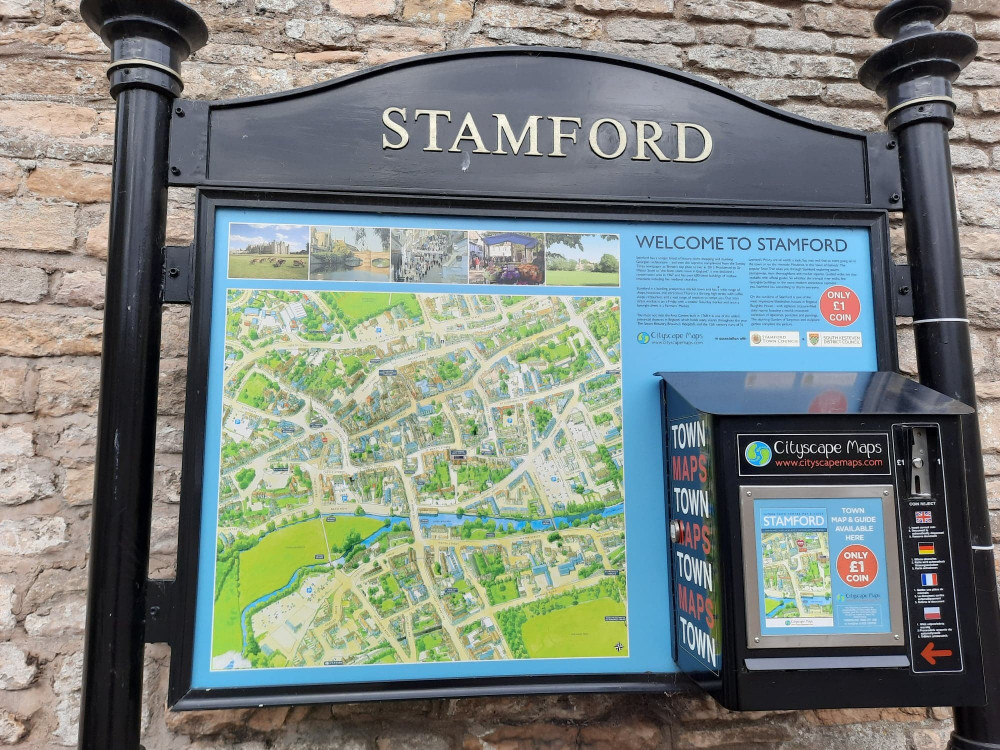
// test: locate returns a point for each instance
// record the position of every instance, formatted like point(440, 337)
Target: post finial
point(148, 40)
point(917, 68)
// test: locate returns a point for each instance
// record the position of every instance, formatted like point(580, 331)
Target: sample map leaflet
point(796, 569)
point(434, 447)
point(822, 566)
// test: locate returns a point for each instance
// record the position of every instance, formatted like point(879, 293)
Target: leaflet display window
point(822, 566)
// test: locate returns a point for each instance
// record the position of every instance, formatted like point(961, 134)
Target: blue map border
point(649, 608)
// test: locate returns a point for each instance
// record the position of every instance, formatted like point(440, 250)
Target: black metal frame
point(181, 696)
point(150, 40)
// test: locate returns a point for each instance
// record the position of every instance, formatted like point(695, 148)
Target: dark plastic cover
point(752, 393)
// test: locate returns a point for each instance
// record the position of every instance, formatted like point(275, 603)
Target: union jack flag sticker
point(923, 516)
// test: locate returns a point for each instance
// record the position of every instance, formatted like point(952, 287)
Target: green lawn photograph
point(582, 259)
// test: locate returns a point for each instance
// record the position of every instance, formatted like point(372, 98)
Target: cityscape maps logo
point(643, 337)
point(758, 453)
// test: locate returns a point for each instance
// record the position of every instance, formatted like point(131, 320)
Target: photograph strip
point(293, 252)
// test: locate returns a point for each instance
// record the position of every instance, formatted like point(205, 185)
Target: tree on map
point(352, 540)
point(244, 477)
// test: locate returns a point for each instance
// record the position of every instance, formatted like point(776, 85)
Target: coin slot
point(919, 469)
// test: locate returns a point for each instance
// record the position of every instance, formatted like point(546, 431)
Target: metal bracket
point(902, 289)
point(188, 154)
point(884, 175)
point(159, 614)
point(178, 278)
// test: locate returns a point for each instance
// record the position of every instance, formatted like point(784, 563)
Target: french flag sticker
point(928, 579)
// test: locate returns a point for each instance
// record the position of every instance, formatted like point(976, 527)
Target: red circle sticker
point(840, 305)
point(857, 565)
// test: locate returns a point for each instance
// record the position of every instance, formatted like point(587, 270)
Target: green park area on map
point(412, 478)
point(796, 572)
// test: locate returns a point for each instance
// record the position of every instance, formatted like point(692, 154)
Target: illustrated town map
point(797, 580)
point(411, 478)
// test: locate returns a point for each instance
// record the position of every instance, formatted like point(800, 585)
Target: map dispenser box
point(818, 540)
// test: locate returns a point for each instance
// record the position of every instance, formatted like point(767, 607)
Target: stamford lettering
point(606, 137)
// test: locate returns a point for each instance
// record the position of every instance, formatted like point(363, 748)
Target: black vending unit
point(819, 545)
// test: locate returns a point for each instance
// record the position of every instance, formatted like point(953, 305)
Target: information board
point(433, 445)
point(822, 562)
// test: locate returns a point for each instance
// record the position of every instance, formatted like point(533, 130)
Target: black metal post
point(914, 73)
point(148, 41)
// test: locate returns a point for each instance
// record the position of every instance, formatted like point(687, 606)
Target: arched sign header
point(548, 123)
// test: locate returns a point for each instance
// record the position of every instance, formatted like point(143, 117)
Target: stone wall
point(56, 125)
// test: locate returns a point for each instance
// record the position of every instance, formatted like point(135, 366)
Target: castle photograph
point(268, 251)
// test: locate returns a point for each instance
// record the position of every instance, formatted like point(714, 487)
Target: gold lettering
point(644, 140)
point(432, 125)
point(530, 132)
point(468, 124)
point(558, 135)
point(682, 128)
point(648, 133)
point(395, 127)
point(622, 138)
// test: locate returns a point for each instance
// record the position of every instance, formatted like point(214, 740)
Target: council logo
point(758, 453)
point(643, 337)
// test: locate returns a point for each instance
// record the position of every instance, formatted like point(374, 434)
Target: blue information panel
point(434, 443)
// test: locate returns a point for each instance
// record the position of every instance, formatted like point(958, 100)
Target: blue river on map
point(518, 524)
point(806, 600)
point(434, 519)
